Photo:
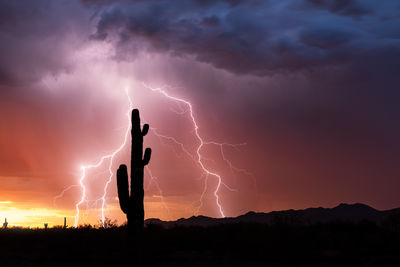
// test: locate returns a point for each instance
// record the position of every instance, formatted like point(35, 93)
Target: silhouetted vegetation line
point(132, 205)
point(341, 243)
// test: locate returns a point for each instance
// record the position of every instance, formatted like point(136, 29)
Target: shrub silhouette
point(107, 223)
point(132, 205)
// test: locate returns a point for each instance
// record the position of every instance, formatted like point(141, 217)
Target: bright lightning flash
point(198, 158)
point(110, 158)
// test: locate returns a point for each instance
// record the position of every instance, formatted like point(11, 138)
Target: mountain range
point(344, 212)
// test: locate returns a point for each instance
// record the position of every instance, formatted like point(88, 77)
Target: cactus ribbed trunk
point(136, 209)
point(132, 205)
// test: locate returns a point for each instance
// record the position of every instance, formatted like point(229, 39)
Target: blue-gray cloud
point(253, 37)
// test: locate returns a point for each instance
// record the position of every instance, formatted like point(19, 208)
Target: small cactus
point(46, 225)
point(5, 224)
point(132, 205)
point(65, 223)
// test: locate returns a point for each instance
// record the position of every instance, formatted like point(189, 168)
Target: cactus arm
point(145, 129)
point(123, 189)
point(147, 155)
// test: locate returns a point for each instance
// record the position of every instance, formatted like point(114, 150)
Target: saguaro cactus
point(5, 224)
point(132, 205)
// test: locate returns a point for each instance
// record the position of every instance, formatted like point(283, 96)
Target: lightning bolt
point(197, 158)
point(229, 163)
point(153, 180)
point(191, 156)
point(63, 192)
point(110, 158)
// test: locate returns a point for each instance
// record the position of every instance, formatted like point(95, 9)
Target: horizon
point(118, 223)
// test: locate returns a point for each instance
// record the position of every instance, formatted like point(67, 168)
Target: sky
point(296, 103)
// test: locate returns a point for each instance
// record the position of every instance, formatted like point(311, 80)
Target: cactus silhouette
point(132, 205)
point(65, 223)
point(5, 224)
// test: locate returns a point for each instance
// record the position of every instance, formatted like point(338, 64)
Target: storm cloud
point(37, 38)
point(253, 37)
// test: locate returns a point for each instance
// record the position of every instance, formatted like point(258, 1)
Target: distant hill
point(344, 212)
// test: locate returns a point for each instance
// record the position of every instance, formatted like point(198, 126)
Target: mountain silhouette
point(344, 212)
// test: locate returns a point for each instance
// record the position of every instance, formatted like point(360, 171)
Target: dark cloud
point(251, 37)
point(325, 39)
point(35, 38)
point(343, 7)
point(212, 21)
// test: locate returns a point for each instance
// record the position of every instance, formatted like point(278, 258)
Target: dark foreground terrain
point(286, 241)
